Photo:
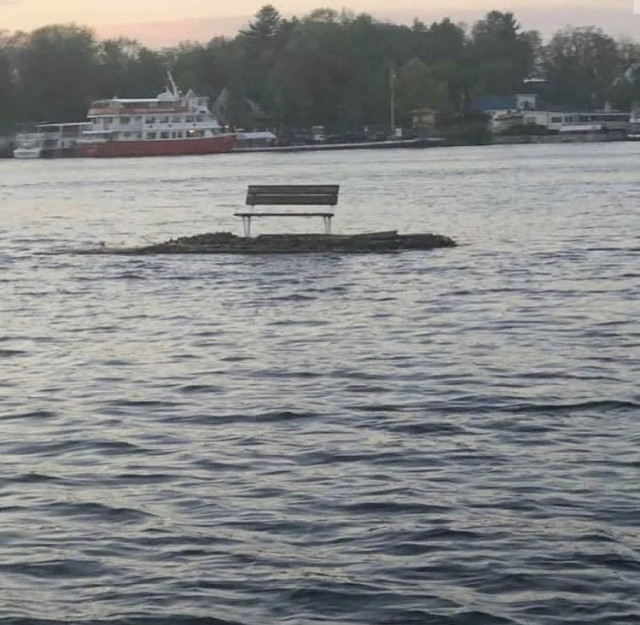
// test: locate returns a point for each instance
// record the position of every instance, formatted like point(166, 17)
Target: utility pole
point(392, 100)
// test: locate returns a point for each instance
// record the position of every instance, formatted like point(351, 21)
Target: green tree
point(266, 25)
point(626, 88)
point(625, 93)
point(335, 72)
point(259, 49)
point(7, 88)
point(502, 53)
point(189, 63)
point(628, 51)
point(417, 86)
point(444, 40)
point(58, 73)
point(117, 58)
point(149, 72)
point(581, 65)
point(327, 68)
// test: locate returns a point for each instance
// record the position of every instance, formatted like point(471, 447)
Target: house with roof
point(561, 121)
point(424, 120)
point(519, 114)
point(228, 111)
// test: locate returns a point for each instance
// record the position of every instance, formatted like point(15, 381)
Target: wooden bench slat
point(293, 188)
point(307, 199)
point(283, 214)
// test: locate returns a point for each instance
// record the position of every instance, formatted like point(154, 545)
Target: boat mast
point(174, 89)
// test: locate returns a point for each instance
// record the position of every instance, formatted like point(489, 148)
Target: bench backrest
point(293, 194)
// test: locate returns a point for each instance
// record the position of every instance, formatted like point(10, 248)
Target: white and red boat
point(169, 124)
point(48, 140)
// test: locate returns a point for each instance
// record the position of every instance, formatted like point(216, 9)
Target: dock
point(361, 145)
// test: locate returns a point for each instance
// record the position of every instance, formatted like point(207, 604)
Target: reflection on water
point(441, 437)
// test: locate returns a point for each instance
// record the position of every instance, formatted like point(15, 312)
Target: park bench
point(290, 195)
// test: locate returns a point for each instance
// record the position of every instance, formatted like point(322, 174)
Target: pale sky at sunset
point(164, 22)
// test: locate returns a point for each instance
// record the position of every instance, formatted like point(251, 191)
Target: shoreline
point(420, 142)
point(417, 143)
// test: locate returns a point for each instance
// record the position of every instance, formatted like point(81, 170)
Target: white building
point(563, 121)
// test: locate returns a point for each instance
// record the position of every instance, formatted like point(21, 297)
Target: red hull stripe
point(101, 112)
point(175, 147)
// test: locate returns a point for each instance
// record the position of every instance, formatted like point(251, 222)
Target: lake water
point(447, 437)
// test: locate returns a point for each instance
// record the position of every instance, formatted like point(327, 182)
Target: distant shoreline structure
point(356, 145)
point(6, 144)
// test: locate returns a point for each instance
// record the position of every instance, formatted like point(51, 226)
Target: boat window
point(189, 118)
point(175, 118)
point(164, 120)
point(151, 135)
point(124, 119)
point(151, 120)
point(164, 135)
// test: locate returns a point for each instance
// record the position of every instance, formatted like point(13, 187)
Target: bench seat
point(290, 195)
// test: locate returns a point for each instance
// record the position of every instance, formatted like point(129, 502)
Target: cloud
point(615, 19)
point(162, 34)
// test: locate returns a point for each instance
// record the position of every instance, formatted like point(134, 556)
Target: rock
point(228, 243)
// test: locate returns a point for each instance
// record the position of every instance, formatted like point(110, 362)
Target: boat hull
point(171, 147)
point(26, 153)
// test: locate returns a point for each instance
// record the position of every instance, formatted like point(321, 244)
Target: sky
point(166, 22)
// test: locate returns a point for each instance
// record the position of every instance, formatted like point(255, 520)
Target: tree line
point(330, 68)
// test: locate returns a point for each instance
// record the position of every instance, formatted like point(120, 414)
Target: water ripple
point(443, 438)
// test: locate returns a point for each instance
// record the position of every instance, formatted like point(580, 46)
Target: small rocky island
point(228, 243)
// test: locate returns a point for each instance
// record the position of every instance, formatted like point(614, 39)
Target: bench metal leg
point(327, 224)
point(246, 224)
